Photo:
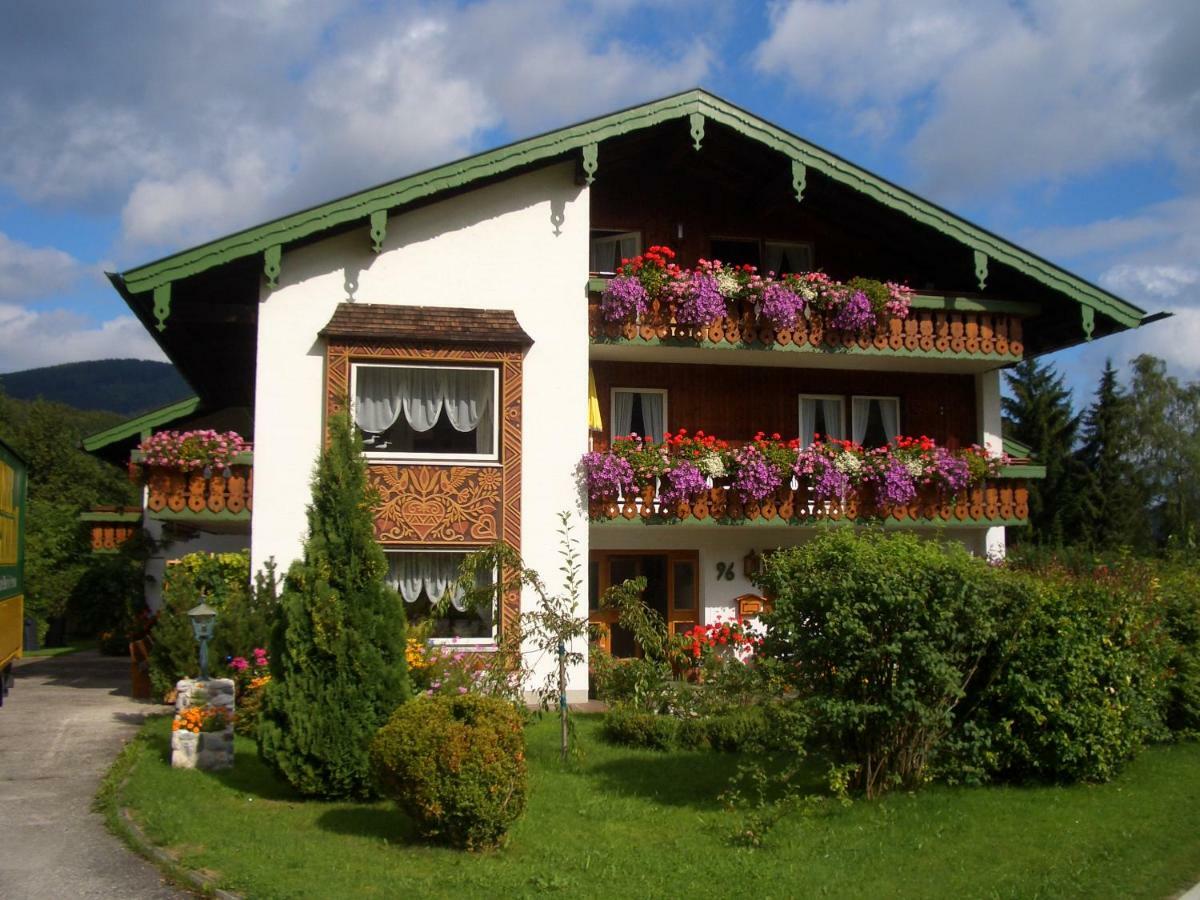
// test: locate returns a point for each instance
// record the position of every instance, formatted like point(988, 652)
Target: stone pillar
point(208, 749)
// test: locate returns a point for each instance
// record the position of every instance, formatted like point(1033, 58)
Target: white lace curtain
point(653, 413)
point(831, 411)
point(889, 416)
point(384, 393)
point(410, 574)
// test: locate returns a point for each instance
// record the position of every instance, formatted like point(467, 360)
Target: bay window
point(426, 578)
point(426, 412)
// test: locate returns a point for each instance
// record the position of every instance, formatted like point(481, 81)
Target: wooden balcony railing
point(215, 493)
point(928, 332)
point(111, 526)
point(999, 501)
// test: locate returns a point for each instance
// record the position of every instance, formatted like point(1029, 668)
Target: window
point(641, 411)
point(784, 258)
point(737, 251)
point(425, 412)
point(875, 420)
point(423, 578)
point(821, 414)
point(608, 248)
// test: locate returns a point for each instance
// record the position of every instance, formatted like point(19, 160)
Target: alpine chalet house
point(810, 343)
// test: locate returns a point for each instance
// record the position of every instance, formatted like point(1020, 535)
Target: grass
point(73, 647)
point(630, 823)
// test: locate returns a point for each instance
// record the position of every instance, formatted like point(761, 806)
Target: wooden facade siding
point(734, 402)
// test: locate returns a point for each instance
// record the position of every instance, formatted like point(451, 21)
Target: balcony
point(204, 497)
point(938, 327)
point(1003, 500)
point(111, 526)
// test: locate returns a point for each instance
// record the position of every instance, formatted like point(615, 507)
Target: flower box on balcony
point(226, 492)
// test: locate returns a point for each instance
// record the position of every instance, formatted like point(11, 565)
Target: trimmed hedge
point(456, 766)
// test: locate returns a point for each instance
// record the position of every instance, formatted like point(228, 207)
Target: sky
point(131, 130)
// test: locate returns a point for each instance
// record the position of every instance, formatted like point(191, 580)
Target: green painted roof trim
point(110, 517)
point(360, 206)
point(1016, 448)
point(156, 418)
point(1030, 471)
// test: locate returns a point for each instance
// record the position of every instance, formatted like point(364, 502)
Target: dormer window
point(609, 247)
point(426, 412)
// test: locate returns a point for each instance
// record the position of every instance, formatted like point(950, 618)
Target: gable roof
point(698, 106)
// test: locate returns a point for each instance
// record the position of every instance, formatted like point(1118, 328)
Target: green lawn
point(627, 823)
point(73, 647)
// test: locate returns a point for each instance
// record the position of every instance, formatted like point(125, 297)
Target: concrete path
point(60, 729)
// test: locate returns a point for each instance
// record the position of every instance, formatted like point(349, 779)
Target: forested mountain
point(125, 386)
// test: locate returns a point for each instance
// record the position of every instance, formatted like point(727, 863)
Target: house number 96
point(725, 571)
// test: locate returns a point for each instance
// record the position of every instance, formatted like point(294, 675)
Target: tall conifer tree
point(1111, 506)
point(1039, 413)
point(337, 651)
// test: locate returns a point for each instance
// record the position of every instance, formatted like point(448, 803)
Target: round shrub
point(456, 766)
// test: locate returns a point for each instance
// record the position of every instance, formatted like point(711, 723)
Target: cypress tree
point(1040, 414)
point(338, 668)
point(1111, 505)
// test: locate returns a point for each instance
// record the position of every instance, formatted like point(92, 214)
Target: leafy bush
point(338, 665)
point(881, 635)
point(1079, 682)
point(1181, 606)
point(456, 766)
point(244, 615)
point(638, 728)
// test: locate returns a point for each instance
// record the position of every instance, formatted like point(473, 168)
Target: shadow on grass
point(381, 823)
point(692, 779)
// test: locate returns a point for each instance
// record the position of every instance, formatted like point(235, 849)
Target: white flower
point(915, 468)
point(710, 464)
point(727, 284)
point(847, 463)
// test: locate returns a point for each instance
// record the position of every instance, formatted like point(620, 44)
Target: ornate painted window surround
point(442, 506)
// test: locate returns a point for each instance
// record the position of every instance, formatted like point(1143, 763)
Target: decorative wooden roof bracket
point(799, 179)
point(981, 268)
point(1088, 320)
point(162, 305)
point(378, 229)
point(272, 259)
point(591, 161)
point(696, 121)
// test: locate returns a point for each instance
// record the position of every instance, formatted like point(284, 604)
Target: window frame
point(472, 642)
point(899, 410)
point(612, 405)
point(800, 398)
point(812, 253)
point(482, 459)
point(614, 234)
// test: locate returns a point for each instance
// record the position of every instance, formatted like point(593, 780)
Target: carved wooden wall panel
point(443, 506)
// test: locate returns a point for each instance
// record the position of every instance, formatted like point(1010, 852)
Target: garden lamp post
point(204, 618)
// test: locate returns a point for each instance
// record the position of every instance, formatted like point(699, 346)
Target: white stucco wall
point(520, 245)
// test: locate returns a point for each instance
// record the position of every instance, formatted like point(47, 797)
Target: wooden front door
point(672, 590)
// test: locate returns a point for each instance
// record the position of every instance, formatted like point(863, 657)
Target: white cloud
point(1162, 282)
point(999, 94)
point(27, 273)
point(266, 108)
point(34, 338)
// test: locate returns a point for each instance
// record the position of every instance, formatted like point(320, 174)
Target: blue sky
point(130, 130)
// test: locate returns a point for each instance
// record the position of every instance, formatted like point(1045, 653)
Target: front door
point(672, 590)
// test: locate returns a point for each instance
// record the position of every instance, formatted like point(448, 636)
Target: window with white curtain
point(821, 414)
point(787, 258)
point(640, 411)
point(425, 412)
point(426, 578)
point(874, 421)
point(608, 248)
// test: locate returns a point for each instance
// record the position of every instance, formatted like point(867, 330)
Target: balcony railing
point(936, 327)
point(998, 501)
point(210, 494)
point(111, 526)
